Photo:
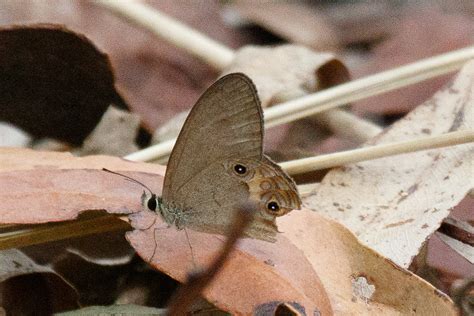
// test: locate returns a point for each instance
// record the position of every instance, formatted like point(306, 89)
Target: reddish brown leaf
point(274, 272)
point(258, 277)
point(44, 187)
point(49, 187)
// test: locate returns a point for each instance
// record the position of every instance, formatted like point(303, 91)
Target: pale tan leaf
point(114, 135)
point(394, 204)
point(463, 249)
point(283, 69)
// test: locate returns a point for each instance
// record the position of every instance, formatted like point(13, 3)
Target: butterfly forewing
point(226, 123)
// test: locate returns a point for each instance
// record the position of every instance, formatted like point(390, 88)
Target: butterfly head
point(150, 201)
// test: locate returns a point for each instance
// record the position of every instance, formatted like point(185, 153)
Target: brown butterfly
point(218, 163)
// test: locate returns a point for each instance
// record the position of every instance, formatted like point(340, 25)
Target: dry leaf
point(170, 129)
point(274, 273)
point(52, 79)
point(357, 279)
point(12, 136)
point(40, 288)
point(288, 271)
point(44, 187)
point(394, 204)
point(114, 135)
point(106, 249)
point(57, 186)
point(296, 22)
point(280, 70)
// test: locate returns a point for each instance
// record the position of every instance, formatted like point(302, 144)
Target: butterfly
point(218, 163)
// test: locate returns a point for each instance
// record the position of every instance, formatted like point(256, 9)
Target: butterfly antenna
point(130, 179)
point(191, 248)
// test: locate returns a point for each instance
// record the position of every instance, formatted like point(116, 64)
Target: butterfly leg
point(190, 248)
point(155, 241)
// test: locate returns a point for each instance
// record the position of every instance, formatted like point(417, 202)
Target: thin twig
point(366, 87)
point(189, 292)
point(459, 230)
point(368, 153)
point(342, 94)
point(169, 29)
point(58, 231)
point(348, 125)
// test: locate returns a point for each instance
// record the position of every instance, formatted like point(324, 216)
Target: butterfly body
point(218, 163)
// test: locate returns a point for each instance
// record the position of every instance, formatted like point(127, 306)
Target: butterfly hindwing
point(217, 164)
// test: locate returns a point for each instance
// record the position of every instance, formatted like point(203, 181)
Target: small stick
point(459, 230)
point(167, 28)
point(154, 152)
point(342, 94)
point(366, 87)
point(63, 230)
point(348, 125)
point(189, 292)
point(378, 151)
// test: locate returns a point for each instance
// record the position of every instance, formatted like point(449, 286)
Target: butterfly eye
point(240, 169)
point(151, 204)
point(273, 206)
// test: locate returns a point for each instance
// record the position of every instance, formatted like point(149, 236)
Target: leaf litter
point(281, 272)
point(51, 170)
